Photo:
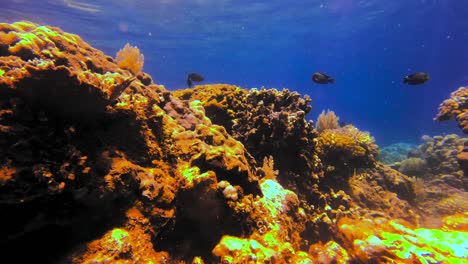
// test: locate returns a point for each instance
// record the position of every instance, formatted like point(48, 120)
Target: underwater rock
point(61, 168)
point(456, 106)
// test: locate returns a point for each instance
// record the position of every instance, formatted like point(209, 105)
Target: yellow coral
point(347, 146)
point(130, 58)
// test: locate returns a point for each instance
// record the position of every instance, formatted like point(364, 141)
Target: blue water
point(367, 45)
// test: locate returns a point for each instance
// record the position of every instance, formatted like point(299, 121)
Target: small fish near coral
point(322, 78)
point(416, 78)
point(194, 77)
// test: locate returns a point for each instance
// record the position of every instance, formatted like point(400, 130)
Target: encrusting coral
point(456, 106)
point(267, 122)
point(111, 167)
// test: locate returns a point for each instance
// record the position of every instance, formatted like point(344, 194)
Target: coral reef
point(346, 149)
point(438, 179)
point(456, 106)
point(395, 152)
point(462, 158)
point(437, 156)
point(112, 168)
point(222, 102)
point(129, 58)
point(267, 122)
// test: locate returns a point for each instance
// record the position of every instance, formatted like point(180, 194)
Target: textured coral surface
point(99, 164)
point(455, 107)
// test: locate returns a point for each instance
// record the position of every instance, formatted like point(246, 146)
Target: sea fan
point(327, 120)
point(130, 58)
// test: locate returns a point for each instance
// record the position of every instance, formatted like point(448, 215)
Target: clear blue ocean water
point(368, 46)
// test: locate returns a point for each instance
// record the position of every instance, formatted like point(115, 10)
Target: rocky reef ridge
point(109, 167)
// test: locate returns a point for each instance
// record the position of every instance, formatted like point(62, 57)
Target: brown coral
point(267, 122)
point(347, 148)
point(456, 106)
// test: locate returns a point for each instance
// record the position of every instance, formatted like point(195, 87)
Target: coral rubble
point(113, 168)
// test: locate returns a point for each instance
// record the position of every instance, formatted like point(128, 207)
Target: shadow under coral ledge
point(98, 164)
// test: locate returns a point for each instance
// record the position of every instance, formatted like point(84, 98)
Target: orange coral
point(129, 58)
point(456, 106)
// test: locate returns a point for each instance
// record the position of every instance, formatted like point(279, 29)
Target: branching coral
point(130, 58)
point(456, 106)
point(327, 120)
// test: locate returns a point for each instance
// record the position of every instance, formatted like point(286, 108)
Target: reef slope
point(100, 165)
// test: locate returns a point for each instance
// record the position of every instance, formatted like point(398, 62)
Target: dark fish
point(322, 78)
point(343, 124)
point(417, 78)
point(194, 77)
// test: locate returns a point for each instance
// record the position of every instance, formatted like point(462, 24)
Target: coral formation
point(380, 240)
point(267, 122)
point(129, 58)
point(413, 166)
point(346, 148)
point(462, 158)
point(112, 168)
point(439, 182)
point(437, 156)
point(222, 102)
point(395, 152)
point(456, 106)
point(327, 120)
